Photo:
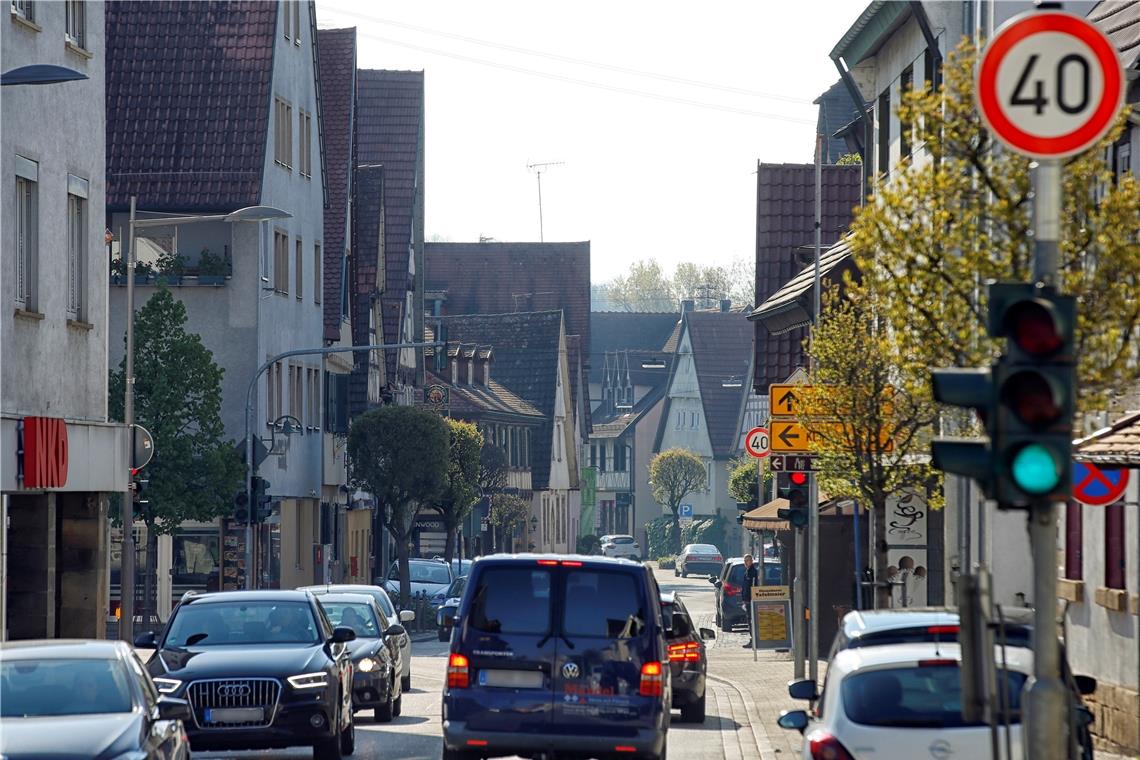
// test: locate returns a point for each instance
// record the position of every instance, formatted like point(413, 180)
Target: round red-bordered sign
point(1097, 487)
point(757, 443)
point(1025, 84)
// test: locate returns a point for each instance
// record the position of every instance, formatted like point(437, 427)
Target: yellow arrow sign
point(783, 400)
point(788, 436)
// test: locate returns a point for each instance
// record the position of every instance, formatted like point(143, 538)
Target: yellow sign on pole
point(785, 400)
point(789, 436)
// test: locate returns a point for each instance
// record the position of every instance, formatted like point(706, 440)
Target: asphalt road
point(416, 735)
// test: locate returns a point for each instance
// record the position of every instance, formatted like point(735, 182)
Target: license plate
point(511, 679)
point(235, 714)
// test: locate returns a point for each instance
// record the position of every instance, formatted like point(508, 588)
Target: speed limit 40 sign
point(1049, 84)
point(757, 442)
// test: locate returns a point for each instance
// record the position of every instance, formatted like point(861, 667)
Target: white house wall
point(685, 428)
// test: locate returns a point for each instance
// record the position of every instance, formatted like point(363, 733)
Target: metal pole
point(818, 218)
point(798, 648)
point(813, 576)
point(858, 560)
point(1046, 699)
point(127, 556)
point(538, 174)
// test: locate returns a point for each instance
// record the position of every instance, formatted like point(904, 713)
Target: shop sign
point(42, 452)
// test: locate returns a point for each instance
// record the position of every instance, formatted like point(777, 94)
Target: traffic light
point(441, 358)
point(795, 491)
point(971, 388)
point(1034, 389)
point(262, 502)
point(139, 483)
point(241, 507)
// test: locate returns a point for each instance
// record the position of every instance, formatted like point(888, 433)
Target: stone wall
point(1116, 726)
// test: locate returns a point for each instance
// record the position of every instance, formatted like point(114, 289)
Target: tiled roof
point(500, 278)
point(188, 93)
point(628, 331)
point(1117, 444)
point(479, 400)
point(792, 306)
point(389, 124)
point(835, 111)
point(614, 425)
point(722, 343)
point(1120, 20)
point(785, 221)
point(336, 61)
point(526, 361)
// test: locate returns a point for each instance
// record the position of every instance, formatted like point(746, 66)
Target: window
point(283, 134)
point(278, 391)
point(76, 247)
point(314, 399)
point(922, 696)
point(906, 83)
point(270, 392)
point(299, 265)
point(305, 140)
point(620, 463)
point(296, 392)
point(495, 607)
point(25, 9)
point(280, 261)
point(601, 457)
point(1124, 155)
point(76, 22)
point(1073, 538)
point(884, 114)
point(318, 264)
point(27, 233)
point(297, 24)
point(286, 17)
point(1114, 545)
point(526, 448)
point(928, 68)
point(603, 605)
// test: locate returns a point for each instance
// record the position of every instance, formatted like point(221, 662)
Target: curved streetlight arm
point(250, 467)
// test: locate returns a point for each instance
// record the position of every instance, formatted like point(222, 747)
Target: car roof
point(345, 597)
point(70, 649)
point(342, 588)
point(591, 560)
point(272, 595)
point(865, 658)
point(862, 622)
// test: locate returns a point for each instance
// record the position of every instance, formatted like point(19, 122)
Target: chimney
point(725, 305)
point(688, 304)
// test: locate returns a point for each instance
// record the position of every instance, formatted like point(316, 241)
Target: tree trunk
point(150, 570)
point(405, 572)
point(675, 530)
point(883, 591)
point(449, 542)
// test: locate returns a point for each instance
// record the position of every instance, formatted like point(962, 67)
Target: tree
point(645, 288)
point(742, 479)
point(648, 288)
point(400, 455)
point(493, 471)
point(673, 475)
point(463, 469)
point(508, 514)
point(195, 472)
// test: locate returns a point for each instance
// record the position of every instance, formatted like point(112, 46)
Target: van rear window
point(604, 605)
point(511, 600)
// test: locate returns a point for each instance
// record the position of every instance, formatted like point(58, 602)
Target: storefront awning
point(765, 517)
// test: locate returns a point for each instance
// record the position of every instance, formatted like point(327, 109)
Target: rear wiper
point(547, 637)
point(569, 643)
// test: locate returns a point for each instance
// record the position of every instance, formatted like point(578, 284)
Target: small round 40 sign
point(757, 442)
point(1049, 84)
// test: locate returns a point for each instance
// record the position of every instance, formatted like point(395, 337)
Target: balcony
point(613, 481)
point(206, 269)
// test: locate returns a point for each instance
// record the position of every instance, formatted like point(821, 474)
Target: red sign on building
point(45, 452)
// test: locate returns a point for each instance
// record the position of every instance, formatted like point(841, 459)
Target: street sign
point(756, 442)
point(784, 400)
point(1049, 84)
point(685, 510)
point(788, 436)
point(792, 463)
point(1097, 487)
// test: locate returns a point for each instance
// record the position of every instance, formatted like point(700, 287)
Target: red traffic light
point(798, 478)
point(1032, 326)
point(1032, 398)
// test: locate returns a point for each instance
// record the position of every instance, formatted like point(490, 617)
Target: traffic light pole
point(798, 648)
point(250, 467)
point(813, 578)
point(1046, 699)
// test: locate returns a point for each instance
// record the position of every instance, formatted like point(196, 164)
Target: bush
point(708, 530)
point(589, 545)
point(666, 563)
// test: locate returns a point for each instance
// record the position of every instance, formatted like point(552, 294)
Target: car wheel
point(457, 754)
point(406, 683)
point(694, 713)
point(676, 572)
point(398, 706)
point(661, 756)
point(328, 749)
point(383, 713)
point(443, 634)
point(347, 740)
point(685, 574)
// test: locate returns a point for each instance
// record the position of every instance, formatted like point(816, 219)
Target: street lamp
point(653, 363)
point(40, 73)
point(127, 569)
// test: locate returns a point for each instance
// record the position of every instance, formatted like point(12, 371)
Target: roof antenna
point(538, 169)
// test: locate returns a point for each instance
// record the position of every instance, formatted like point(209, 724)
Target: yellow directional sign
point(788, 436)
point(784, 400)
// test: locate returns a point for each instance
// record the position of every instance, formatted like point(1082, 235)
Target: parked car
point(71, 698)
point(384, 602)
point(704, 559)
point(730, 595)
point(427, 577)
point(460, 567)
point(376, 677)
point(622, 545)
point(557, 655)
point(688, 659)
point(260, 669)
point(901, 701)
point(448, 604)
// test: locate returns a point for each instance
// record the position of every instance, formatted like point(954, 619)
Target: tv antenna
point(538, 169)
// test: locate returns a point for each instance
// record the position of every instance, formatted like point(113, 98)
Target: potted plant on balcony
point(212, 268)
point(144, 273)
point(170, 268)
point(118, 271)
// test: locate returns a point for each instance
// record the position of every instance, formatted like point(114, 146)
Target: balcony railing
point(613, 481)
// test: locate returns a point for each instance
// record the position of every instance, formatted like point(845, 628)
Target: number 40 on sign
point(757, 442)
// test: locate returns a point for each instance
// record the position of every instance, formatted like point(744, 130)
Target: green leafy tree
point(673, 475)
point(742, 479)
point(645, 288)
point(195, 472)
point(849, 159)
point(509, 513)
point(493, 472)
point(463, 469)
point(400, 455)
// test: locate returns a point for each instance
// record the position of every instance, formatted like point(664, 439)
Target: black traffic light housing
point(139, 483)
point(442, 361)
point(262, 502)
point(241, 507)
point(971, 388)
point(795, 490)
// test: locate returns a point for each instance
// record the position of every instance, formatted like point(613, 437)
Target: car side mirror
point(148, 640)
point(342, 634)
point(708, 634)
point(803, 689)
point(1085, 684)
point(395, 630)
point(407, 616)
point(793, 719)
point(171, 708)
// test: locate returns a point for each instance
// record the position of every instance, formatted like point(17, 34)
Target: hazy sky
point(659, 112)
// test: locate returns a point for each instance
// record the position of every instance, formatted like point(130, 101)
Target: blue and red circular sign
point(1097, 487)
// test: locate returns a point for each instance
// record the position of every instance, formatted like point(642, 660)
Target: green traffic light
point(1035, 470)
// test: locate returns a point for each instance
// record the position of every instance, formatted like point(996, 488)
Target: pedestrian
point(751, 578)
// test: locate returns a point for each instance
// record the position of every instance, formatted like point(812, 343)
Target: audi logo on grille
point(570, 670)
point(234, 690)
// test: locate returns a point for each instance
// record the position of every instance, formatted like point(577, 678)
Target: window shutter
point(1114, 545)
point(1073, 541)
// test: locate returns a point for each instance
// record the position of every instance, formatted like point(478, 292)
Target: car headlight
point(366, 665)
point(167, 685)
point(307, 680)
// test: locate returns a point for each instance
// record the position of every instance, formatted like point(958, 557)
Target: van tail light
point(942, 629)
point(937, 663)
point(824, 746)
point(730, 590)
point(652, 679)
point(688, 651)
point(458, 672)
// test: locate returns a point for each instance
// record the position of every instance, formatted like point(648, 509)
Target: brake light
point(937, 663)
point(938, 629)
point(476, 742)
point(548, 562)
point(458, 672)
point(652, 679)
point(824, 746)
point(688, 651)
point(624, 748)
point(571, 563)
point(729, 589)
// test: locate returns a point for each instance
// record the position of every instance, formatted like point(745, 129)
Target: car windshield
point(604, 605)
point(355, 615)
point(622, 540)
point(46, 687)
point(920, 696)
point(512, 600)
point(701, 549)
point(254, 622)
point(424, 572)
point(457, 586)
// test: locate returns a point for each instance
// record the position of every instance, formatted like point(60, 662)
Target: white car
point(620, 545)
point(901, 701)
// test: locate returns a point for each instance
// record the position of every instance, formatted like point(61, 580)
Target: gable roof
point(1118, 444)
point(721, 343)
point(785, 221)
point(493, 398)
point(792, 305)
point(1121, 22)
point(526, 346)
point(336, 70)
point(188, 94)
point(500, 278)
point(389, 123)
point(645, 333)
point(835, 111)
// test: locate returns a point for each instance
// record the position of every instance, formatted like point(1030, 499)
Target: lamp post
point(40, 73)
point(127, 563)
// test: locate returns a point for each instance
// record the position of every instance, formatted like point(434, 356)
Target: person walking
point(751, 578)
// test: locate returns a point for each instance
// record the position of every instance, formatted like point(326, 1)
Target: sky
point(656, 114)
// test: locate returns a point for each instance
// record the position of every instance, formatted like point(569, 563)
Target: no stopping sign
point(1049, 84)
